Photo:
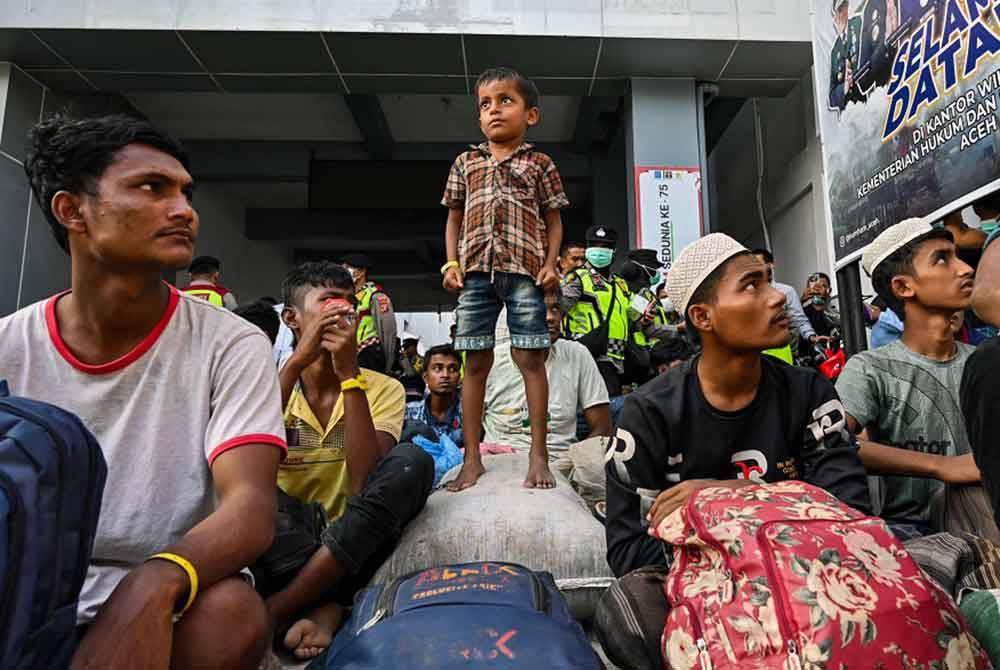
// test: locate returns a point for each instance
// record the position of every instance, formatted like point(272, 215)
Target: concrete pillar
point(662, 130)
point(22, 228)
point(32, 266)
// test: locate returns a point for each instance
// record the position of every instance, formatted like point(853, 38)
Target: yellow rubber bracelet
point(192, 574)
point(355, 383)
point(449, 265)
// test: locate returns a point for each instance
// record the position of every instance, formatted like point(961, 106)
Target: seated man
point(729, 416)
point(903, 397)
point(576, 382)
point(819, 309)
point(980, 393)
point(342, 424)
point(180, 394)
point(442, 408)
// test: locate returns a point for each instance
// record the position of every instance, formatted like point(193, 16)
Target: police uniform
point(846, 48)
point(376, 322)
point(214, 294)
point(590, 298)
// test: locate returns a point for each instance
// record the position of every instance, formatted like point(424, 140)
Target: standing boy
point(503, 236)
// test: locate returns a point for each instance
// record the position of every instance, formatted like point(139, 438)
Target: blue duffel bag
point(52, 476)
point(488, 615)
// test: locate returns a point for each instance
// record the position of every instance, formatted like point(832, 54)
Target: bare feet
point(467, 477)
point(310, 635)
point(539, 475)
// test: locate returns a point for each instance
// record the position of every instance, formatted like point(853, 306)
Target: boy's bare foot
point(310, 635)
point(468, 476)
point(539, 475)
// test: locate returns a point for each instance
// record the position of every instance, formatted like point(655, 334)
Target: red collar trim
point(119, 363)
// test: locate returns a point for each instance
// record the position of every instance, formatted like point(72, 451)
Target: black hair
point(768, 256)
point(900, 262)
point(820, 275)
point(670, 349)
point(705, 293)
point(571, 244)
point(205, 265)
point(632, 272)
point(271, 300)
point(525, 86)
point(262, 315)
point(989, 202)
point(314, 274)
point(441, 350)
point(66, 154)
point(557, 292)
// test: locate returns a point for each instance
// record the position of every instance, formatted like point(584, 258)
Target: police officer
point(642, 273)
point(376, 321)
point(845, 57)
point(595, 303)
point(206, 274)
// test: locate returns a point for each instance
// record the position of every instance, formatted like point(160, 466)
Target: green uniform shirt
point(910, 402)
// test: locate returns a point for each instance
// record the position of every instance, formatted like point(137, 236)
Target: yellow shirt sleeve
point(387, 402)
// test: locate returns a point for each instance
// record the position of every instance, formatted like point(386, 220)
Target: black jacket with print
point(667, 433)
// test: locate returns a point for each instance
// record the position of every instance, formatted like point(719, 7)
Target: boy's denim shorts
point(479, 305)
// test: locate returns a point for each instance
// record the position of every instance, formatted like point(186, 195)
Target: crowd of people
point(265, 444)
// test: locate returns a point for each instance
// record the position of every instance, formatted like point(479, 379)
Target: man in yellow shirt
point(342, 422)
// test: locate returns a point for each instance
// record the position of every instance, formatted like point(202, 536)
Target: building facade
point(319, 128)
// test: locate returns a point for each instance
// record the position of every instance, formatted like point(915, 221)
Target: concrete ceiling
point(75, 60)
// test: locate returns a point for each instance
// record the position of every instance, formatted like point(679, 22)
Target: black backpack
point(52, 475)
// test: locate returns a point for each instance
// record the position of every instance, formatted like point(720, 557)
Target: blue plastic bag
point(445, 453)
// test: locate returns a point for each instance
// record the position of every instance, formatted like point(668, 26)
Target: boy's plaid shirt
point(503, 229)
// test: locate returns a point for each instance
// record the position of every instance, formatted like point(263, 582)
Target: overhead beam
point(354, 224)
point(371, 121)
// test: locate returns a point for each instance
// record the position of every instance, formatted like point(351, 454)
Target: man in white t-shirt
point(576, 385)
point(181, 395)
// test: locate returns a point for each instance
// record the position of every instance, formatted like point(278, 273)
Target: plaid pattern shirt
point(503, 229)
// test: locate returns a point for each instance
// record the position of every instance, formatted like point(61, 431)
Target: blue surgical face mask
point(599, 257)
point(655, 280)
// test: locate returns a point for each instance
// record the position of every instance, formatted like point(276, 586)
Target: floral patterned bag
point(786, 577)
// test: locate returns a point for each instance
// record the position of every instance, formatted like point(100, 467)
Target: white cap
point(696, 262)
point(891, 240)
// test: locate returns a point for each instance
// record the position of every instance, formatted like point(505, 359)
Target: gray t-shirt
point(200, 384)
point(911, 402)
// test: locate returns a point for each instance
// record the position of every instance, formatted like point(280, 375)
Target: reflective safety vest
point(367, 334)
point(212, 294)
point(584, 316)
point(659, 318)
point(781, 353)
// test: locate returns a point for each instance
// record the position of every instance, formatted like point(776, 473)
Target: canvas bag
point(784, 576)
point(470, 615)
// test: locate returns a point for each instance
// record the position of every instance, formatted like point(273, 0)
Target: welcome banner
point(907, 94)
